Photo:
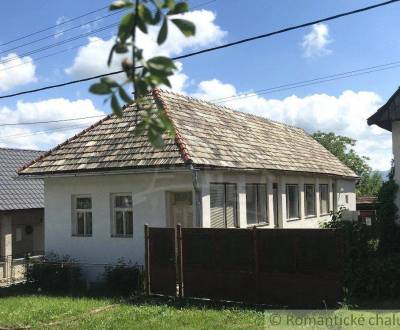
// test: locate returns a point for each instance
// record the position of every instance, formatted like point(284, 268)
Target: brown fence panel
point(218, 263)
point(162, 261)
point(300, 267)
point(285, 267)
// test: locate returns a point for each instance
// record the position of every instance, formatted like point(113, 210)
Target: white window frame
point(114, 211)
point(327, 198)
point(287, 201)
point(85, 212)
point(305, 200)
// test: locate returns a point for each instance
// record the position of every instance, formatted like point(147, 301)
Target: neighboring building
point(21, 206)
point(223, 169)
point(388, 117)
point(366, 208)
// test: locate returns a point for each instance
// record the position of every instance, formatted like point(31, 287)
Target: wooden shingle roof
point(206, 135)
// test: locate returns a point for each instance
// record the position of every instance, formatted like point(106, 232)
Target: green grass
point(45, 312)
point(41, 311)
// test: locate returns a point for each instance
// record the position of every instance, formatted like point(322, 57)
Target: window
point(223, 205)
point(122, 225)
point(309, 193)
point(292, 201)
point(324, 198)
point(256, 204)
point(82, 216)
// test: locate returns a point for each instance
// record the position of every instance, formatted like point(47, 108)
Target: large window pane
point(292, 201)
point(262, 202)
point(88, 224)
point(230, 205)
point(309, 191)
point(223, 205)
point(123, 201)
point(129, 222)
point(83, 203)
point(251, 203)
point(324, 198)
point(80, 223)
point(217, 204)
point(119, 223)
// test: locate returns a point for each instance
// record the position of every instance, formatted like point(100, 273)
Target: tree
point(144, 74)
point(342, 147)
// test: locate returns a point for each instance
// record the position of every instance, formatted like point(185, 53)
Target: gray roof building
point(207, 135)
point(18, 193)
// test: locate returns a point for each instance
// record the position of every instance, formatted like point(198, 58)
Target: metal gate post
point(179, 260)
point(146, 259)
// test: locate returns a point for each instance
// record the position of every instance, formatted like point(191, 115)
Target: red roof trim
point(180, 141)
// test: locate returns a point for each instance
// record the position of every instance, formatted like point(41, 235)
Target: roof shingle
point(207, 135)
point(18, 193)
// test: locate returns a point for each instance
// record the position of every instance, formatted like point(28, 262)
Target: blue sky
point(345, 44)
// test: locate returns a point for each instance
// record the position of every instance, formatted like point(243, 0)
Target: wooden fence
point(285, 267)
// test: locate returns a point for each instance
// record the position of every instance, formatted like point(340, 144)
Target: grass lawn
point(52, 312)
point(41, 311)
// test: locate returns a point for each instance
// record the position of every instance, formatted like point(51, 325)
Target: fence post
point(256, 265)
point(179, 261)
point(147, 259)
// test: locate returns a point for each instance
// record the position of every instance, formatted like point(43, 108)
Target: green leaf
point(157, 17)
point(161, 63)
point(115, 106)
point(169, 4)
point(162, 34)
point(124, 96)
point(100, 89)
point(121, 48)
point(109, 82)
point(145, 14)
point(141, 25)
point(119, 4)
point(125, 27)
point(180, 7)
point(110, 56)
point(186, 27)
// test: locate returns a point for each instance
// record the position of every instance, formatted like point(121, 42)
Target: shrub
point(123, 278)
point(55, 274)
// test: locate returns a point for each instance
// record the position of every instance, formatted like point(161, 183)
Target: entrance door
point(180, 206)
point(276, 204)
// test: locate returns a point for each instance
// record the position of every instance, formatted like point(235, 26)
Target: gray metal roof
point(18, 193)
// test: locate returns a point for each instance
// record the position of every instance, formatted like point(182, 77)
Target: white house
point(223, 169)
point(388, 117)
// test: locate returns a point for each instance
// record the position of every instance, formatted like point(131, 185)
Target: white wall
point(149, 206)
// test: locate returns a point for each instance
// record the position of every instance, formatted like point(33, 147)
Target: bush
point(123, 278)
point(370, 272)
point(55, 274)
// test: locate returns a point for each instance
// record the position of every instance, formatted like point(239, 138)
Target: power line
point(278, 88)
point(49, 121)
point(60, 32)
point(53, 26)
point(60, 43)
point(207, 50)
point(79, 36)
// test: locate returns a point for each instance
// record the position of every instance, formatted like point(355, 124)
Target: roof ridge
point(223, 107)
point(180, 141)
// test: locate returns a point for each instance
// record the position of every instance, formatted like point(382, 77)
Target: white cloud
point(60, 26)
point(345, 115)
point(316, 41)
point(16, 71)
point(48, 110)
point(91, 59)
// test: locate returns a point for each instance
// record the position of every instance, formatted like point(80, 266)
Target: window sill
point(311, 216)
point(82, 235)
point(264, 224)
point(293, 219)
point(121, 236)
